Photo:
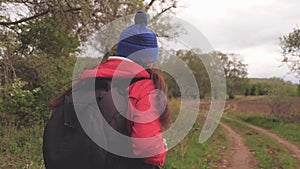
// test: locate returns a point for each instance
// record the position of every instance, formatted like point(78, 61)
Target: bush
point(20, 106)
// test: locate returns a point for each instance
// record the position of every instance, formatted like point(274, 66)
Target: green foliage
point(298, 90)
point(39, 49)
point(80, 16)
point(235, 71)
point(234, 68)
point(47, 74)
point(21, 147)
point(173, 89)
point(37, 59)
point(267, 86)
point(270, 154)
point(55, 78)
point(290, 45)
point(20, 105)
point(193, 60)
point(284, 127)
point(189, 153)
point(40, 57)
point(193, 155)
point(277, 96)
point(175, 63)
point(258, 89)
point(48, 35)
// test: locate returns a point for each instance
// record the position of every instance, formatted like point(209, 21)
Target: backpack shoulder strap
point(114, 101)
point(120, 87)
point(68, 115)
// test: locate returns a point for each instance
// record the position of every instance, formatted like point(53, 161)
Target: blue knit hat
point(137, 42)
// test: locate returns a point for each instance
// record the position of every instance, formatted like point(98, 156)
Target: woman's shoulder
point(141, 88)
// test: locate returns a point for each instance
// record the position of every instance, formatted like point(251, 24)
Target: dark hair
point(159, 83)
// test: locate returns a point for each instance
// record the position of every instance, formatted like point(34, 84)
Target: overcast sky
point(249, 28)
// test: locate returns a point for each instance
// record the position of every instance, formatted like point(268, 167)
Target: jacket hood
point(117, 67)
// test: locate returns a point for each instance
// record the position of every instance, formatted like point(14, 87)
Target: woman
point(137, 50)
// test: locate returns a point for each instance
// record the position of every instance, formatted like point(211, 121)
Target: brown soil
point(240, 156)
point(258, 105)
point(263, 105)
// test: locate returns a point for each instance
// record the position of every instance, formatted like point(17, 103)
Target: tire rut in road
point(292, 148)
point(239, 156)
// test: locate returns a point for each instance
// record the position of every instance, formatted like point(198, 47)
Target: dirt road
point(292, 148)
point(240, 156)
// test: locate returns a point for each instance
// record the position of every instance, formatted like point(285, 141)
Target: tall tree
point(82, 16)
point(235, 71)
point(40, 38)
point(56, 28)
point(298, 90)
point(290, 45)
point(8, 44)
point(278, 96)
point(194, 62)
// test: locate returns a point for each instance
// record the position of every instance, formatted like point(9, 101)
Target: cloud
point(238, 26)
point(250, 28)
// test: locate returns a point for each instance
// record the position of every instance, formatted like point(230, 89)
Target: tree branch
point(24, 19)
point(35, 16)
point(150, 4)
point(73, 9)
point(163, 11)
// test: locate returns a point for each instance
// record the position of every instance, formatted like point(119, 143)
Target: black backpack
point(66, 145)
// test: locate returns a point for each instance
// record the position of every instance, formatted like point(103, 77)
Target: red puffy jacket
point(145, 118)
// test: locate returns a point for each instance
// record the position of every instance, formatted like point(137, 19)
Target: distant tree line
point(268, 86)
point(257, 89)
point(235, 72)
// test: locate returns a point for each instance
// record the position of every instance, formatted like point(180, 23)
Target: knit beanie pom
point(138, 42)
point(141, 18)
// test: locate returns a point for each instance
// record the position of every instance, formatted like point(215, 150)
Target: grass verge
point(21, 147)
point(193, 155)
point(267, 152)
point(287, 129)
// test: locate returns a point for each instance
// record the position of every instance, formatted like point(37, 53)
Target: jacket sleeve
point(146, 132)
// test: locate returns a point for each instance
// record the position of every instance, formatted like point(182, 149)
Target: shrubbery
point(20, 106)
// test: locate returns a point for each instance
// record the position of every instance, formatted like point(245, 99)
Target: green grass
point(193, 155)
point(21, 147)
point(189, 153)
point(284, 128)
point(267, 152)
